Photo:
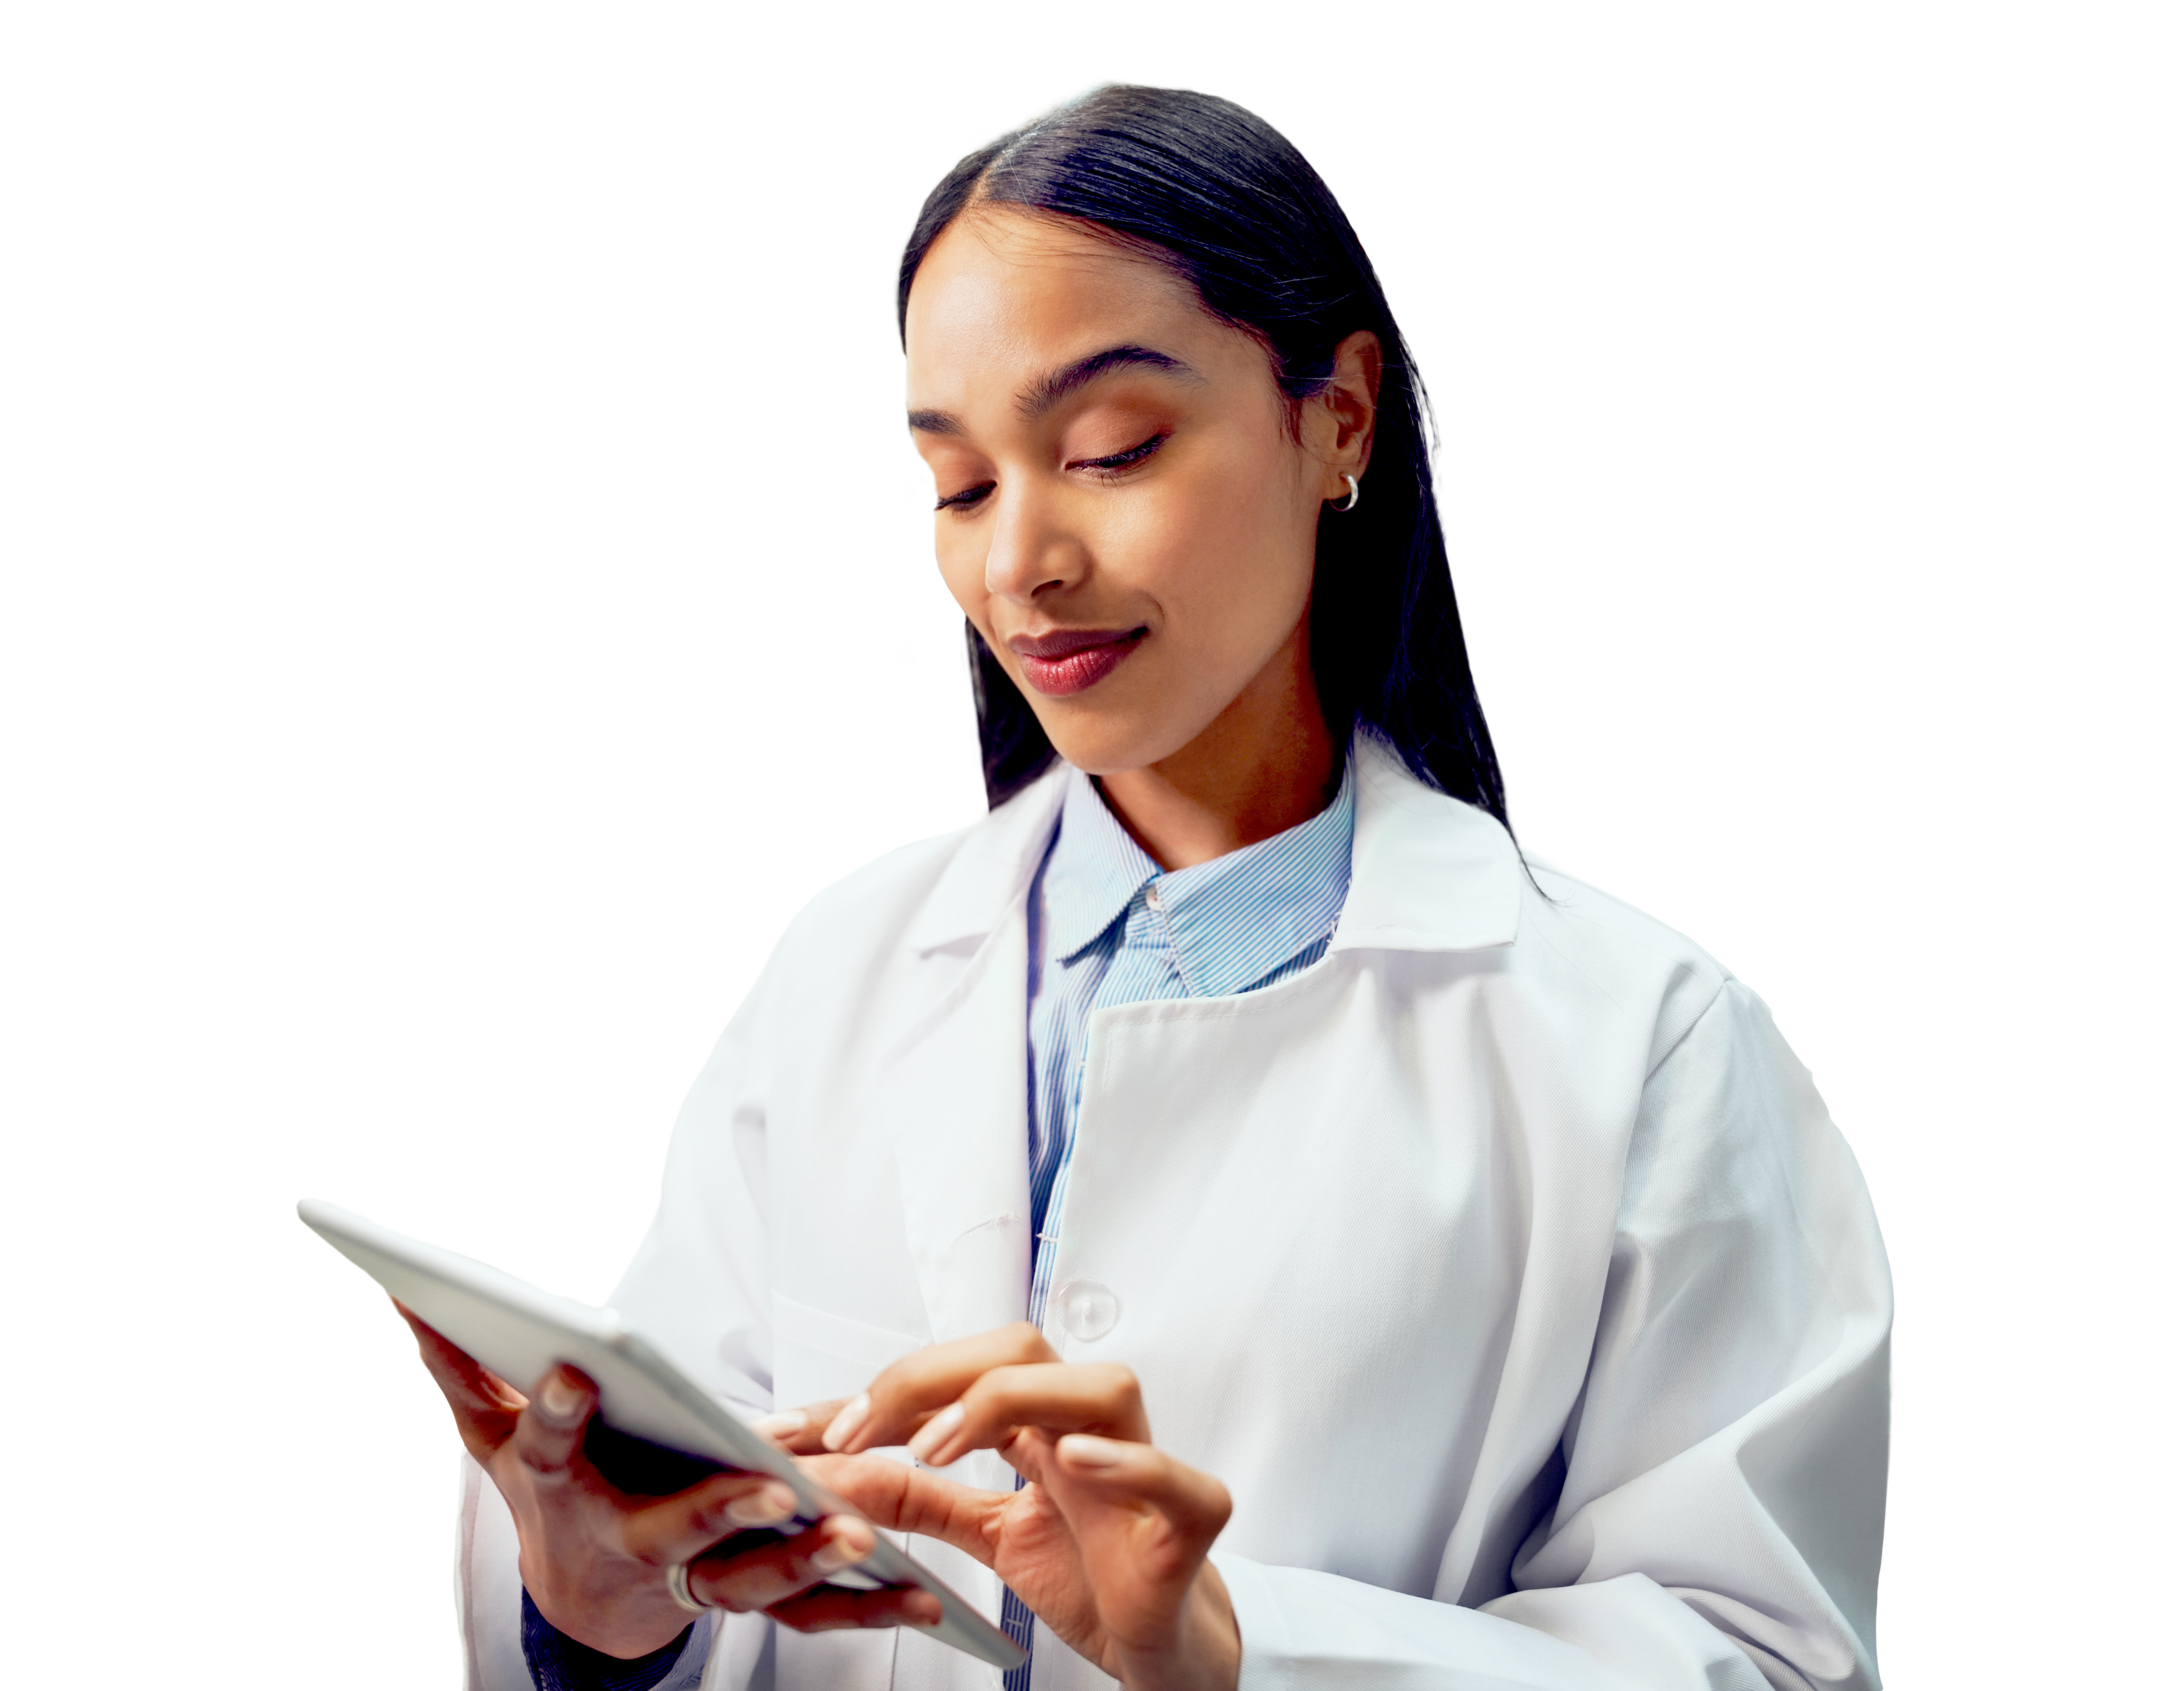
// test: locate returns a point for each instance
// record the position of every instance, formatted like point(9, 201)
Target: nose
point(1031, 552)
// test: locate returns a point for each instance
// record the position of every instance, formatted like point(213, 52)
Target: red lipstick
point(1071, 660)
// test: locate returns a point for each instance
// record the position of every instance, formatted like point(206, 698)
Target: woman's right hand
point(595, 1560)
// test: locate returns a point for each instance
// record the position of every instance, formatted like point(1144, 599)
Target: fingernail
point(559, 1400)
point(936, 1433)
point(781, 1423)
point(845, 1549)
point(1084, 1451)
point(921, 1608)
point(845, 1426)
point(768, 1506)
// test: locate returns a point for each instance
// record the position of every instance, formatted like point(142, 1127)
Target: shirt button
point(1152, 897)
point(1088, 1310)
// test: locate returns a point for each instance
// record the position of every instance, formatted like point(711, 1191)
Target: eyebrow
point(1050, 389)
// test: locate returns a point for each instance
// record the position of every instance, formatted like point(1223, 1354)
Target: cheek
point(1224, 553)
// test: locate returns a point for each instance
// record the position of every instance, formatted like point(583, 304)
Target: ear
point(1339, 418)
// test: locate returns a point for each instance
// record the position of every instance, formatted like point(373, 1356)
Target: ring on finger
point(679, 1588)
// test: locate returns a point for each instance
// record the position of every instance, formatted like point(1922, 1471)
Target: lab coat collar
point(1427, 873)
point(986, 878)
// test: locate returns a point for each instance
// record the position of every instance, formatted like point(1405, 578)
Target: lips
point(1071, 660)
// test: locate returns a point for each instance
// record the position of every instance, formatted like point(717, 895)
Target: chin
point(1115, 745)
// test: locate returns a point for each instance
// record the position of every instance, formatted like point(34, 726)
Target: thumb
point(549, 1434)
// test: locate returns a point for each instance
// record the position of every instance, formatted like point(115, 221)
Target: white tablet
point(657, 1430)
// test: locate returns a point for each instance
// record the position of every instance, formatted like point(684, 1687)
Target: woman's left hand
point(1108, 1541)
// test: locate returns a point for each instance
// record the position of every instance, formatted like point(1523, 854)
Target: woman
point(1300, 1242)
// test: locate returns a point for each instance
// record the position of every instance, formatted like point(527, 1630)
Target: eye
point(1113, 464)
point(964, 500)
point(1123, 460)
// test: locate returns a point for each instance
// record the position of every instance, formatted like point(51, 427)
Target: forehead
point(1002, 296)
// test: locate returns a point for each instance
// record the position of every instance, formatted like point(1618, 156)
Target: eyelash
point(1114, 464)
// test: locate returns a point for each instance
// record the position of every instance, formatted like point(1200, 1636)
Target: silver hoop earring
point(1350, 503)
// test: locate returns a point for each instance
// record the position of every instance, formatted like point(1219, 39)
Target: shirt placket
point(1132, 977)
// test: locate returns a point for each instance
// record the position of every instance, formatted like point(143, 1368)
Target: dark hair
point(1221, 198)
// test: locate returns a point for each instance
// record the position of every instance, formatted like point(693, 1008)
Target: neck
point(1266, 764)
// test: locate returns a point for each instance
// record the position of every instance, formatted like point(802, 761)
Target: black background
point(536, 716)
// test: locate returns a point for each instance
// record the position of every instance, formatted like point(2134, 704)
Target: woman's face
point(1124, 514)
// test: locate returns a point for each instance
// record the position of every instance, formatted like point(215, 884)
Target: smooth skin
point(1108, 456)
point(1182, 501)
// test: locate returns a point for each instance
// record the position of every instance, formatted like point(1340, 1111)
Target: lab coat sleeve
point(698, 1288)
point(1719, 1519)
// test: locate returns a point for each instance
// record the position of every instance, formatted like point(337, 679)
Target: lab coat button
point(1088, 1310)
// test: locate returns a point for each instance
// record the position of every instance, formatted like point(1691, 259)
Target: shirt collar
point(1094, 872)
point(1224, 923)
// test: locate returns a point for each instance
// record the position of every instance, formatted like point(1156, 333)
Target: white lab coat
point(1505, 1264)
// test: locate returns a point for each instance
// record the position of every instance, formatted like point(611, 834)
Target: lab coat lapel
point(957, 1092)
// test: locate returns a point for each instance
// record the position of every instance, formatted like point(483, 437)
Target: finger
point(1056, 1397)
point(898, 1402)
point(677, 1529)
point(485, 1405)
point(549, 1434)
point(798, 1430)
point(1194, 1502)
point(906, 1499)
point(830, 1609)
point(760, 1578)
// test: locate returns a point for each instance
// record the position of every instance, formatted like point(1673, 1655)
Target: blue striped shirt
point(1108, 926)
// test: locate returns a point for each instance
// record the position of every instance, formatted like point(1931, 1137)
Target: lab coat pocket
point(820, 1355)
